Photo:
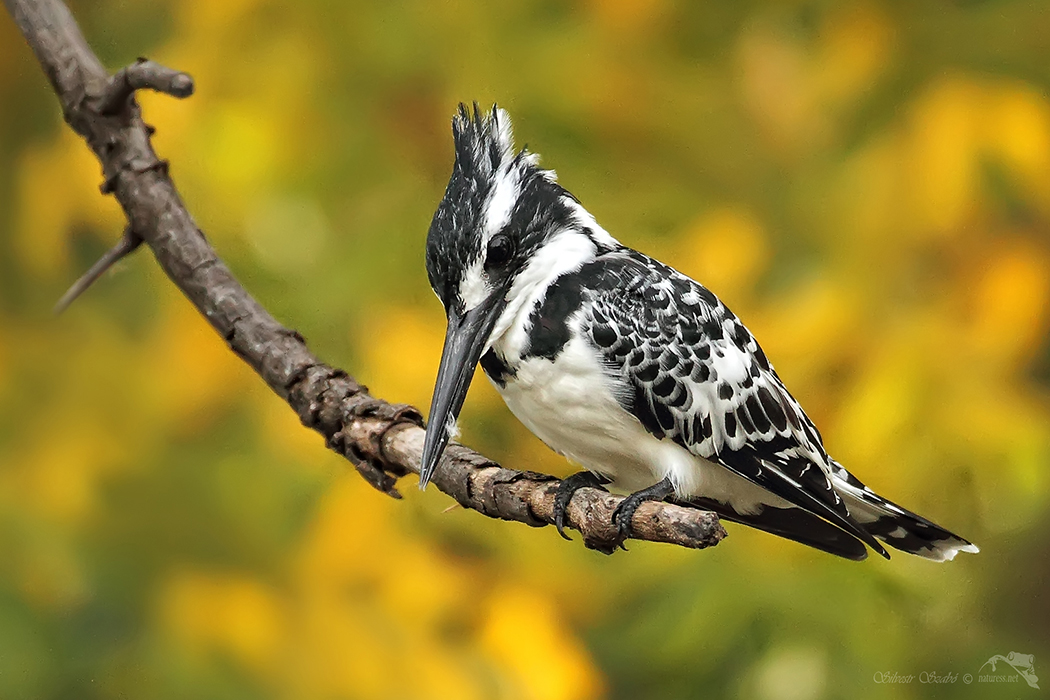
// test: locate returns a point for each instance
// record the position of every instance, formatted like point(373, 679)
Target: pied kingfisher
point(626, 366)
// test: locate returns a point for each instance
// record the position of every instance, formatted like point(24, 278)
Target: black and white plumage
point(626, 366)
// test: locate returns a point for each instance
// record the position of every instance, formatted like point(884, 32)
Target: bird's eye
point(501, 248)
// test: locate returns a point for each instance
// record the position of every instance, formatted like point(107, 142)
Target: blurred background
point(866, 184)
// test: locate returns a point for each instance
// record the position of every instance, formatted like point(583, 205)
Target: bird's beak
point(465, 341)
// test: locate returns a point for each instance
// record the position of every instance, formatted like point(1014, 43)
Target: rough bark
point(382, 440)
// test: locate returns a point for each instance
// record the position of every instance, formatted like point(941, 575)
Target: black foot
point(566, 489)
point(621, 517)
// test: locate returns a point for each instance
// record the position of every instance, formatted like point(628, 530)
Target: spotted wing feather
point(692, 373)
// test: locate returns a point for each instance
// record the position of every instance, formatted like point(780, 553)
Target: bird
point(627, 367)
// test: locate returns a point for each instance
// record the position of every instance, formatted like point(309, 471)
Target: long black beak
point(465, 341)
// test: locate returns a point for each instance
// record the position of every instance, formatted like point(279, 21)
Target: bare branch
point(127, 243)
point(382, 440)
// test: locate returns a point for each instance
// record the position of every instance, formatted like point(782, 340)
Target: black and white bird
point(627, 367)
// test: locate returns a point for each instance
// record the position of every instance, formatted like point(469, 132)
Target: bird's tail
point(896, 526)
point(792, 523)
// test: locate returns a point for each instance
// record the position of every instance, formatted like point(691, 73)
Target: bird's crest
point(484, 142)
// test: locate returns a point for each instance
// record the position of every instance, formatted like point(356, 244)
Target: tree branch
point(383, 441)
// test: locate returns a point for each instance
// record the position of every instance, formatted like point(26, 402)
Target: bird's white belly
point(569, 404)
point(571, 408)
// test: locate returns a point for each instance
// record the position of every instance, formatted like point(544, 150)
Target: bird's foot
point(621, 517)
point(564, 494)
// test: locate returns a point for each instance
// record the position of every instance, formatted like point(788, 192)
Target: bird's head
point(503, 229)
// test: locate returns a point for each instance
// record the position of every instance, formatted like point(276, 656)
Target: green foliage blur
point(866, 184)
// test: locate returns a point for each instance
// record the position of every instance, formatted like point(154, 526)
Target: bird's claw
point(564, 493)
point(624, 512)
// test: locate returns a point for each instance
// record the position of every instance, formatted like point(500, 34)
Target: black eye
point(501, 248)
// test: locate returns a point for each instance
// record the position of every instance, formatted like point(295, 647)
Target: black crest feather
point(482, 140)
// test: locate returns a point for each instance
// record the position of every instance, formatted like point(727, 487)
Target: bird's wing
point(692, 373)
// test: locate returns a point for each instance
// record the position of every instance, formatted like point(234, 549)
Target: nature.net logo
point(1022, 664)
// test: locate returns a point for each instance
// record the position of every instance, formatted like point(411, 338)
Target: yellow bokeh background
point(866, 184)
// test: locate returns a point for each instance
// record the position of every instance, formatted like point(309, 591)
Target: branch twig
point(142, 74)
point(382, 440)
point(127, 243)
